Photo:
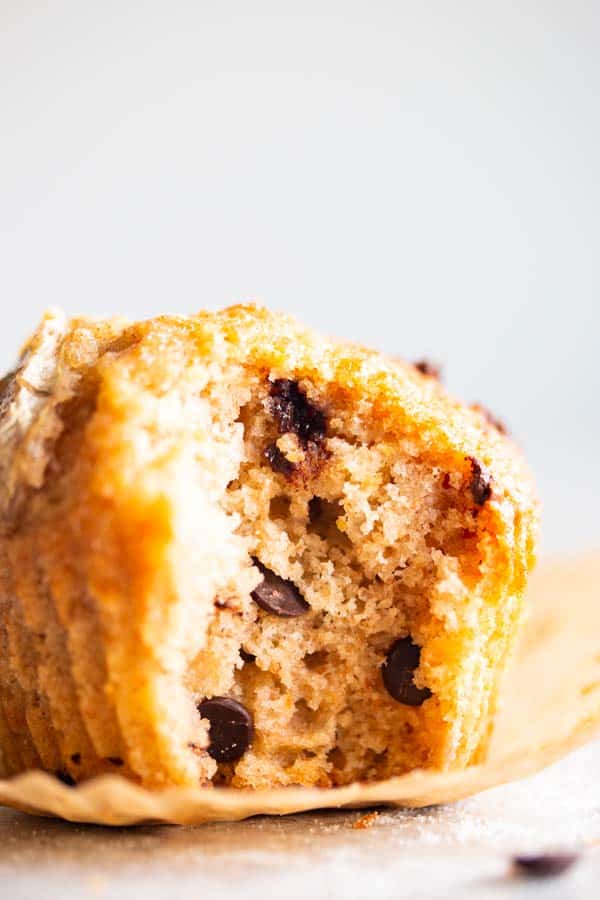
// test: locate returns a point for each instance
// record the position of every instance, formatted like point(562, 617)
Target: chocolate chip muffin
point(233, 553)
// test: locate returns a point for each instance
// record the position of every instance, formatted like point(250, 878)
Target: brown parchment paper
point(550, 704)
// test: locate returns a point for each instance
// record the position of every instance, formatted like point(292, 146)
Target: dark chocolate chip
point(481, 482)
point(231, 728)
point(115, 760)
point(65, 777)
point(278, 462)
point(495, 422)
point(398, 671)
point(247, 657)
point(76, 758)
point(546, 865)
point(316, 509)
point(8, 387)
point(431, 369)
point(295, 413)
point(278, 596)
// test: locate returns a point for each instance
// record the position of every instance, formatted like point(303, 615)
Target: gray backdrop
point(421, 176)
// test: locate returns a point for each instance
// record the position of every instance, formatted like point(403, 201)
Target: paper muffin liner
point(550, 705)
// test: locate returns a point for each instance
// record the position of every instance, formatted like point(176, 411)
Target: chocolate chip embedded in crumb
point(65, 777)
point(429, 368)
point(247, 657)
point(278, 596)
point(115, 760)
point(8, 387)
point(278, 461)
point(481, 482)
point(545, 865)
point(231, 728)
point(76, 758)
point(398, 673)
point(295, 413)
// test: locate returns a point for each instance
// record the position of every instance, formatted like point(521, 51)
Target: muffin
point(235, 553)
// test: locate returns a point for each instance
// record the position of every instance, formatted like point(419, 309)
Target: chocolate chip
point(481, 482)
point(76, 758)
point(496, 423)
point(65, 777)
point(398, 670)
point(295, 413)
point(431, 369)
point(231, 728)
point(8, 387)
point(277, 596)
point(545, 865)
point(278, 462)
point(247, 657)
point(115, 760)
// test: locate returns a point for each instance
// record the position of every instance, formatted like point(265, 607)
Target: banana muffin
point(235, 553)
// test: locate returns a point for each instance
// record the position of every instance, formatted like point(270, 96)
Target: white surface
point(450, 852)
point(422, 176)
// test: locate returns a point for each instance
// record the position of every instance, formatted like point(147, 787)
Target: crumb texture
point(232, 553)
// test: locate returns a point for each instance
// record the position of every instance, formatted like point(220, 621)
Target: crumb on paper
point(365, 821)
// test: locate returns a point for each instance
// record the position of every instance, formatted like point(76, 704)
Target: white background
point(421, 176)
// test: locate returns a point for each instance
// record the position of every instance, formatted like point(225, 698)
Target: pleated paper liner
point(550, 705)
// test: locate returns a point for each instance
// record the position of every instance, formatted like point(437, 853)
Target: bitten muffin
point(234, 553)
